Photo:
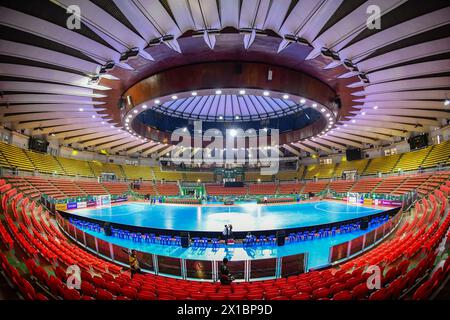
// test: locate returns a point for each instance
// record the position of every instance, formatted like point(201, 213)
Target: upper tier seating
point(16, 157)
point(74, 167)
point(195, 176)
point(341, 186)
point(138, 172)
point(167, 189)
point(45, 163)
point(99, 167)
point(3, 162)
point(382, 164)
point(440, 153)
point(321, 171)
point(411, 160)
point(358, 165)
point(216, 190)
point(167, 175)
point(289, 175)
point(253, 176)
point(365, 185)
point(262, 189)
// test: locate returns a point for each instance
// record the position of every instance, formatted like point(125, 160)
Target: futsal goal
point(353, 197)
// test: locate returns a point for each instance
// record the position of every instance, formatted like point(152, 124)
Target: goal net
point(353, 197)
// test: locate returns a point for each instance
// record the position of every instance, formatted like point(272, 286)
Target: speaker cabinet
point(107, 229)
point(281, 237)
point(364, 224)
point(184, 239)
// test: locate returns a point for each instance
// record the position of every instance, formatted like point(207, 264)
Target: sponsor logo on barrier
point(71, 205)
point(391, 203)
point(82, 204)
point(120, 199)
point(91, 203)
point(61, 206)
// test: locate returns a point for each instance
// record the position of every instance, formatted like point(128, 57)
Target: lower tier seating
point(411, 266)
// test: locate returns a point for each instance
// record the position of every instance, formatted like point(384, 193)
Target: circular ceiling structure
point(229, 107)
point(71, 84)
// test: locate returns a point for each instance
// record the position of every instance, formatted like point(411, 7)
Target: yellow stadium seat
point(440, 153)
point(16, 157)
point(382, 164)
point(412, 160)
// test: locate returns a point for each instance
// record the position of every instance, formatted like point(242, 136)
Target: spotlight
point(363, 113)
point(135, 111)
point(285, 96)
point(314, 105)
point(220, 117)
point(446, 102)
point(174, 97)
point(219, 91)
point(322, 110)
point(157, 101)
point(193, 93)
point(303, 101)
point(81, 109)
point(233, 132)
point(237, 117)
point(353, 121)
point(242, 91)
point(144, 106)
point(266, 93)
point(375, 107)
point(93, 117)
point(129, 116)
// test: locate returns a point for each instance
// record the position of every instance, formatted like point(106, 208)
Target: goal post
point(353, 197)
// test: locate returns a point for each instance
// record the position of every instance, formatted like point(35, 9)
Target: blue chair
point(272, 240)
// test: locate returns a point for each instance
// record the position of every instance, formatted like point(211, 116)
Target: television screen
point(353, 154)
point(418, 142)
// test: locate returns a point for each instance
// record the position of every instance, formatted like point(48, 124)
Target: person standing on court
point(225, 234)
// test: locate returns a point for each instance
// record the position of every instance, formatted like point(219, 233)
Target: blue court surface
point(245, 217)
